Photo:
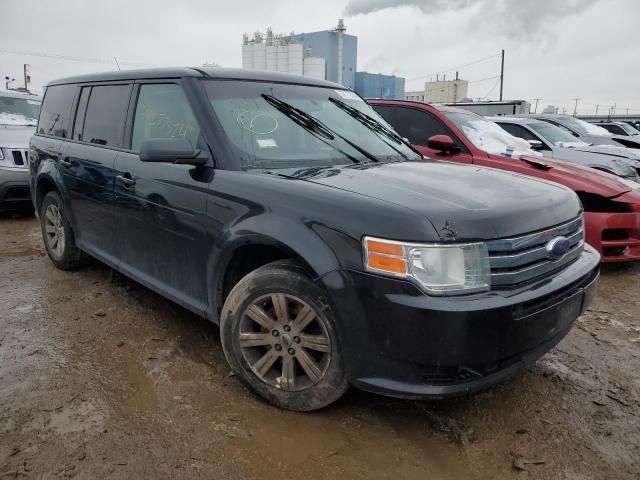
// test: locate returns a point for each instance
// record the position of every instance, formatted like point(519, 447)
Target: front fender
point(305, 241)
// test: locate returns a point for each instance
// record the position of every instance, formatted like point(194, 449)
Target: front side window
point(18, 111)
point(162, 111)
point(518, 131)
point(272, 125)
point(56, 111)
point(105, 115)
point(413, 124)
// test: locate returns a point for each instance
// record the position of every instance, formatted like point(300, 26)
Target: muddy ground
point(101, 378)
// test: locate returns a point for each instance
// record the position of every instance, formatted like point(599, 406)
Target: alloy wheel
point(54, 230)
point(285, 342)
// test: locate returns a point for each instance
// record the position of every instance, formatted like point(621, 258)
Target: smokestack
point(340, 31)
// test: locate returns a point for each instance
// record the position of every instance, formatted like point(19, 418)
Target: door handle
point(65, 162)
point(125, 180)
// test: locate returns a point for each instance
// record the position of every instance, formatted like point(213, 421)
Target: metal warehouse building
point(376, 85)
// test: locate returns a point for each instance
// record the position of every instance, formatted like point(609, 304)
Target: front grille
point(20, 157)
point(516, 261)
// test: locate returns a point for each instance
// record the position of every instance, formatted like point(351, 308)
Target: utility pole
point(575, 109)
point(502, 74)
point(26, 70)
point(597, 110)
point(535, 110)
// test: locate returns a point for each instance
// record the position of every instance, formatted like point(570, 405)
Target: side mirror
point(536, 144)
point(442, 143)
point(170, 150)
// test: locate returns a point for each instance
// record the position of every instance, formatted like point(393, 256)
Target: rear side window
point(56, 111)
point(105, 115)
point(163, 111)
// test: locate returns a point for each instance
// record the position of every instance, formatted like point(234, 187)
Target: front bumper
point(615, 235)
point(400, 342)
point(14, 187)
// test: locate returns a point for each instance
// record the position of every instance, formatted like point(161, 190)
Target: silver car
point(585, 131)
point(18, 119)
point(554, 142)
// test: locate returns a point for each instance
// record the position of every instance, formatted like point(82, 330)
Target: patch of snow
point(491, 138)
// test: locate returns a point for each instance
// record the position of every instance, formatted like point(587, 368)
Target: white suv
point(18, 119)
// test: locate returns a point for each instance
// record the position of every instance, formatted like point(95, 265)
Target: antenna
point(116, 60)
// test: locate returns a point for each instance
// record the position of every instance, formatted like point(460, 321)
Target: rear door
point(160, 207)
point(418, 126)
point(89, 160)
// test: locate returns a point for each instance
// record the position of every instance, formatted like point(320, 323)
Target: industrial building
point(376, 85)
point(441, 91)
point(329, 54)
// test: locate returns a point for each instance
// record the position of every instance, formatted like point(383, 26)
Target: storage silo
point(283, 58)
point(315, 67)
point(259, 56)
point(247, 55)
point(295, 58)
point(272, 58)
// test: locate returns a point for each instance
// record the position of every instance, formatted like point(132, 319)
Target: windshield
point(556, 135)
point(19, 111)
point(585, 128)
point(630, 129)
point(274, 125)
point(489, 136)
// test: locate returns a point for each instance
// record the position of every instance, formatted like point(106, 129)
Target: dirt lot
point(100, 377)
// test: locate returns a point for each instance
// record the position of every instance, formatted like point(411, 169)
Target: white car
point(18, 119)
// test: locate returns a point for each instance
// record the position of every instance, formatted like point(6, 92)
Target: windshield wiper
point(372, 124)
point(315, 126)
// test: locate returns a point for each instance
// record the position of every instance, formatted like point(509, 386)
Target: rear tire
point(279, 335)
point(57, 233)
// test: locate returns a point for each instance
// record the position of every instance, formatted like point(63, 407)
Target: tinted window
point(518, 131)
point(415, 125)
point(106, 111)
point(615, 129)
point(163, 111)
point(56, 111)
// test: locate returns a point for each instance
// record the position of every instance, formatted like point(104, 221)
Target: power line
point(71, 58)
point(456, 68)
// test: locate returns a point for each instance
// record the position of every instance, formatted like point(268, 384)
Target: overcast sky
point(556, 49)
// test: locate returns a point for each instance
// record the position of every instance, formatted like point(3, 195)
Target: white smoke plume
point(511, 18)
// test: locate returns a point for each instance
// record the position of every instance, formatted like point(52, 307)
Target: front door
point(160, 207)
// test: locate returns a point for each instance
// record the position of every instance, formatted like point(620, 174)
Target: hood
point(462, 202)
point(14, 136)
point(576, 177)
point(620, 165)
point(609, 150)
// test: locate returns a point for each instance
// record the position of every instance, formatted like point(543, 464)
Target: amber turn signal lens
point(374, 246)
point(386, 264)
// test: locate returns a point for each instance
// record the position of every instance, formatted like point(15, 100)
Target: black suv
point(330, 252)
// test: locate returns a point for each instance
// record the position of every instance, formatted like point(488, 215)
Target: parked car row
point(611, 204)
point(330, 251)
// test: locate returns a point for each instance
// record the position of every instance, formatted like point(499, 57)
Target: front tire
point(279, 335)
point(57, 233)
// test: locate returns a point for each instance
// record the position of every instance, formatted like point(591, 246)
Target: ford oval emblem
point(558, 248)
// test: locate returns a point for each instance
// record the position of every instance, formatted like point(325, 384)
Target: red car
point(611, 205)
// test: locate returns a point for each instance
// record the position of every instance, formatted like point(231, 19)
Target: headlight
point(440, 269)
